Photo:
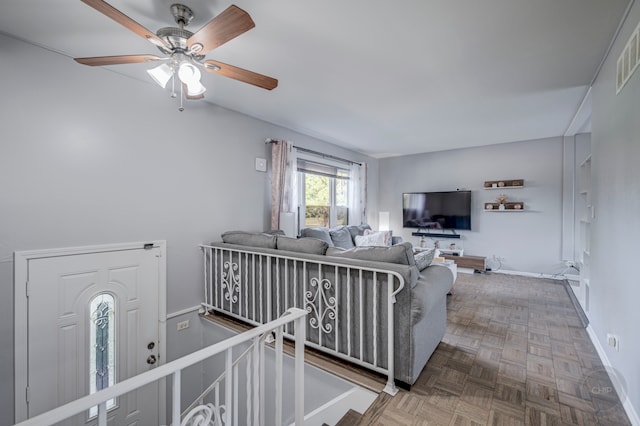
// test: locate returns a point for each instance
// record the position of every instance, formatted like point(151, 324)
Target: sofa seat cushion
point(341, 237)
point(250, 239)
point(307, 245)
point(319, 233)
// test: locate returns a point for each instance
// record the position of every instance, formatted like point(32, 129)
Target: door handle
point(151, 359)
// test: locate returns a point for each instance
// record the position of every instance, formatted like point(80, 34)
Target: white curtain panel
point(283, 187)
point(358, 194)
point(289, 220)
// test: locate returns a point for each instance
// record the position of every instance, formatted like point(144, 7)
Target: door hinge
point(26, 288)
point(26, 394)
point(147, 246)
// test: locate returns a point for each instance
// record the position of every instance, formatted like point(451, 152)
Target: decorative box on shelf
point(509, 206)
point(501, 184)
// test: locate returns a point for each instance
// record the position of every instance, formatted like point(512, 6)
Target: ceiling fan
point(185, 51)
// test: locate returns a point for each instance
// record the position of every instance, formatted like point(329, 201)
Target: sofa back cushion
point(400, 253)
point(319, 233)
point(250, 239)
point(307, 245)
point(341, 237)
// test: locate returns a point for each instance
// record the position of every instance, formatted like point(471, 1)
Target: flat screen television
point(437, 210)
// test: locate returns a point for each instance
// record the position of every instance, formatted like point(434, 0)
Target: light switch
point(261, 164)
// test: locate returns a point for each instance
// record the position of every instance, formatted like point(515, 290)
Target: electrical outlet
point(613, 341)
point(182, 325)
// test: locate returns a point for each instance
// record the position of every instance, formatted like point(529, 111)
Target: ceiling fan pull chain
point(173, 85)
point(181, 99)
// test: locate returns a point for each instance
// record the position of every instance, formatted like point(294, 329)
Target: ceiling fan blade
point(117, 60)
point(228, 25)
point(113, 13)
point(240, 74)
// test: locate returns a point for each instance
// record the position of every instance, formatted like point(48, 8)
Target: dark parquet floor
point(514, 354)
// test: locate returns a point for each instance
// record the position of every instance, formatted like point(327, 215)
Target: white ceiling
point(380, 77)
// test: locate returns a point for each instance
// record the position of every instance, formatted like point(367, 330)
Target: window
point(102, 343)
point(324, 193)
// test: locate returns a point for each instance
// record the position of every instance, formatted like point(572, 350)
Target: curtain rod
point(321, 154)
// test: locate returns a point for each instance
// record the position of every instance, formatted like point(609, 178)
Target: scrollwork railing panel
point(320, 305)
point(231, 281)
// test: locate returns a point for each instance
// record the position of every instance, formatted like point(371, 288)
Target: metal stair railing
point(210, 414)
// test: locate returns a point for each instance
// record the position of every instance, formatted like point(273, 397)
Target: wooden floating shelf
point(502, 184)
point(515, 206)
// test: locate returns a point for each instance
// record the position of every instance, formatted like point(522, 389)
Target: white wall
point(615, 161)
point(92, 157)
point(529, 241)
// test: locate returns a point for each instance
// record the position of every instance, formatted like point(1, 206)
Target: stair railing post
point(300, 338)
point(279, 375)
point(228, 381)
point(176, 399)
point(390, 387)
point(102, 414)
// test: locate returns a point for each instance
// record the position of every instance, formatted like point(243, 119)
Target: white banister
point(346, 301)
point(174, 368)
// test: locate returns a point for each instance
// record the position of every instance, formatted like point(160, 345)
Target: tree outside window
point(325, 197)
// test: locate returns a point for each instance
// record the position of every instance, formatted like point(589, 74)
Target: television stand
point(452, 252)
point(477, 263)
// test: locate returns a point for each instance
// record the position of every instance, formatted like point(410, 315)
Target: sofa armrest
point(440, 274)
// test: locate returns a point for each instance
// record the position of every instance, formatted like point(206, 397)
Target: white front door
point(93, 320)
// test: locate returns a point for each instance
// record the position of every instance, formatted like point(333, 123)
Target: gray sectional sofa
point(348, 293)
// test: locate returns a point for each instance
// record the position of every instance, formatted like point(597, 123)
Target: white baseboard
point(184, 311)
point(628, 407)
point(529, 274)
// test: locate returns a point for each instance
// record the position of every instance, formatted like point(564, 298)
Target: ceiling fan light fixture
point(161, 74)
point(189, 74)
point(195, 89)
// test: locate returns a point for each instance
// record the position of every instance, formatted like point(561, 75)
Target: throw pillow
point(302, 245)
point(388, 239)
point(356, 230)
point(373, 238)
point(341, 237)
point(424, 258)
point(251, 239)
point(319, 233)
